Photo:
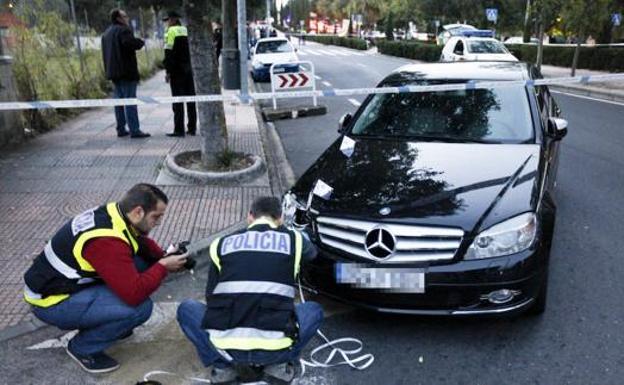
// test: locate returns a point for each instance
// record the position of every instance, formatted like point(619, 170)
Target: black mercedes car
point(437, 203)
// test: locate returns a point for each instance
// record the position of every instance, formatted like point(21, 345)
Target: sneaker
point(93, 363)
point(223, 376)
point(140, 134)
point(280, 373)
point(174, 134)
point(121, 134)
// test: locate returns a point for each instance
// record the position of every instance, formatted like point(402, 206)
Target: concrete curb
point(270, 115)
point(250, 173)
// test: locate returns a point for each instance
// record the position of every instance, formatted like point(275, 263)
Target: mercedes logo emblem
point(379, 243)
point(385, 211)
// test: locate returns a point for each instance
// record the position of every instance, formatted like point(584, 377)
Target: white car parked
point(272, 50)
point(460, 48)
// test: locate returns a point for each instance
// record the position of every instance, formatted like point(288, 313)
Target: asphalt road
point(580, 337)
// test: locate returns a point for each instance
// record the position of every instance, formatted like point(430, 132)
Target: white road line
point(313, 52)
point(327, 52)
point(361, 65)
point(340, 53)
point(587, 97)
point(301, 53)
point(318, 77)
point(326, 83)
point(354, 102)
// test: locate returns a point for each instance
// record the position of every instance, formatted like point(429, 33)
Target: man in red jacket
point(97, 272)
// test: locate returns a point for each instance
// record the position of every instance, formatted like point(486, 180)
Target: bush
point(599, 58)
point(46, 66)
point(349, 42)
point(409, 49)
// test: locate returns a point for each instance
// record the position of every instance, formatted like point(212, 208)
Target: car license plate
point(402, 280)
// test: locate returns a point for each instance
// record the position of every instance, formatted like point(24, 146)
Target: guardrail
point(147, 100)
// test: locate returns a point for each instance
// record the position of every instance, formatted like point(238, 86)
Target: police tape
point(150, 100)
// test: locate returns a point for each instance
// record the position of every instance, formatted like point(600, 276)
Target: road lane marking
point(301, 53)
point(312, 52)
point(327, 52)
point(361, 65)
point(340, 53)
point(354, 102)
point(588, 97)
point(326, 83)
point(318, 77)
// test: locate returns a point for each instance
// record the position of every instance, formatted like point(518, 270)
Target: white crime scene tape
point(147, 100)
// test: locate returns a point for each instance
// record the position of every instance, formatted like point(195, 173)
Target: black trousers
point(182, 85)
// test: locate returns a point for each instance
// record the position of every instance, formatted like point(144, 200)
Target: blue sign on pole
point(616, 19)
point(491, 14)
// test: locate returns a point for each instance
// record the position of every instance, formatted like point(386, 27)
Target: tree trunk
point(540, 46)
point(577, 51)
point(212, 126)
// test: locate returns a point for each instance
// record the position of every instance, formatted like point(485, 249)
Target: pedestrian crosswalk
point(327, 51)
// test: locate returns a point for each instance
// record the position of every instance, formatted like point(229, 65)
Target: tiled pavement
point(82, 164)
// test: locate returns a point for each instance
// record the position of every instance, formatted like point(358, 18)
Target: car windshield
point(498, 115)
point(485, 46)
point(277, 46)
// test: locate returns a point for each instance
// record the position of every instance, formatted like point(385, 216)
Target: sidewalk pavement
point(604, 90)
point(81, 164)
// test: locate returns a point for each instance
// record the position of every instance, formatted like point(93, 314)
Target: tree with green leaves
point(584, 18)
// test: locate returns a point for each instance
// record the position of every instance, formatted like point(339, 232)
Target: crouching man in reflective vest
point(97, 272)
point(250, 317)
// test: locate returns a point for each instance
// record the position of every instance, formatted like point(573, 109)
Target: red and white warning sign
point(292, 80)
point(288, 81)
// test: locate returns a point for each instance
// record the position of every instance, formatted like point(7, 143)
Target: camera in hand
point(190, 262)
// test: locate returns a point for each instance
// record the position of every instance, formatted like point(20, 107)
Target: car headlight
point(509, 237)
point(293, 212)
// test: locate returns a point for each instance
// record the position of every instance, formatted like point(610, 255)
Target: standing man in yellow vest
point(179, 74)
point(97, 272)
point(250, 317)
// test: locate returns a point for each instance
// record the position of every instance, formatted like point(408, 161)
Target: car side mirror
point(557, 128)
point(343, 122)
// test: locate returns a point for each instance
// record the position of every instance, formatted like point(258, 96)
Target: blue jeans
point(126, 89)
point(100, 316)
point(191, 313)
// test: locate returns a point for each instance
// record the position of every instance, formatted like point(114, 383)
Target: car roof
point(468, 70)
point(268, 39)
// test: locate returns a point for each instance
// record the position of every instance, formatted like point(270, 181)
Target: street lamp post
point(242, 47)
point(230, 60)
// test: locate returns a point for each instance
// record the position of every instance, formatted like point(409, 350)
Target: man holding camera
point(97, 272)
point(250, 317)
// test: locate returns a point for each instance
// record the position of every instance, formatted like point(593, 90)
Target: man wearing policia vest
point(250, 316)
point(179, 74)
point(97, 272)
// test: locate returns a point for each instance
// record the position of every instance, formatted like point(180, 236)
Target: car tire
point(539, 305)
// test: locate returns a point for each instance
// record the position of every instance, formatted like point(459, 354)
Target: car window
point(459, 48)
point(278, 46)
point(485, 46)
point(483, 115)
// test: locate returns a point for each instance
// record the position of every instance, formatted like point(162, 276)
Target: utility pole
point(268, 12)
point(73, 15)
point(230, 56)
point(242, 47)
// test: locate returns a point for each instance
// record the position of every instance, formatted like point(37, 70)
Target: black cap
point(172, 14)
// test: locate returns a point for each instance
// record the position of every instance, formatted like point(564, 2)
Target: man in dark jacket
point(119, 48)
point(179, 74)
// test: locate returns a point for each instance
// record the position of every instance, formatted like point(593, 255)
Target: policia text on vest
point(97, 272)
point(250, 316)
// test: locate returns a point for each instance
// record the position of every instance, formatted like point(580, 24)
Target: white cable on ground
point(360, 363)
point(147, 376)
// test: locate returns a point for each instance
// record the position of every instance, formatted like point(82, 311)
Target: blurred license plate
point(404, 280)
